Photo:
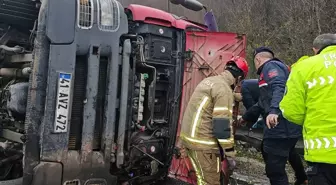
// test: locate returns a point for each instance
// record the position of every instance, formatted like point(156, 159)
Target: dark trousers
point(321, 174)
point(276, 153)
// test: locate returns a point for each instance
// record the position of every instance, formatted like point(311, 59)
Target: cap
point(262, 49)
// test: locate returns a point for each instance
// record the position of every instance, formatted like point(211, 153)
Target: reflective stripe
point(263, 84)
point(198, 175)
point(218, 164)
point(306, 144)
point(198, 169)
point(221, 109)
point(199, 165)
point(225, 140)
point(218, 109)
point(200, 141)
point(198, 113)
point(318, 143)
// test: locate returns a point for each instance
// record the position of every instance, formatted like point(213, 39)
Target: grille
point(76, 124)
point(108, 15)
point(73, 182)
point(85, 14)
point(96, 182)
point(100, 103)
point(20, 13)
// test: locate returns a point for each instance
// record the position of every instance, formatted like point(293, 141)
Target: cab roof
point(159, 17)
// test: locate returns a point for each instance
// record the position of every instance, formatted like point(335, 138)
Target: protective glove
point(183, 152)
point(240, 123)
point(228, 166)
point(237, 97)
point(232, 164)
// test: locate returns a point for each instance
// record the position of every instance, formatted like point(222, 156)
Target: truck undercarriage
point(89, 95)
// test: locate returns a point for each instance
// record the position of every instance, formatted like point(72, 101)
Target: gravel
point(251, 168)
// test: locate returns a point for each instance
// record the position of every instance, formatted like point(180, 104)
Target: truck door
point(207, 54)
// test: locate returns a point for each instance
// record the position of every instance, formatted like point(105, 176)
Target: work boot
point(305, 182)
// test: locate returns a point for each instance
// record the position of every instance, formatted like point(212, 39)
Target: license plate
point(62, 103)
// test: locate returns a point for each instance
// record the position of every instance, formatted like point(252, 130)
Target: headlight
point(108, 15)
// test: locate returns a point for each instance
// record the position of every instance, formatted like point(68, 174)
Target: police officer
point(310, 101)
point(279, 141)
point(207, 122)
point(300, 59)
point(250, 96)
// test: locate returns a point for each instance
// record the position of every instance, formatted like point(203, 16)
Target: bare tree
point(287, 26)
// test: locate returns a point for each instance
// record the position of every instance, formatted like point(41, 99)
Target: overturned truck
point(90, 91)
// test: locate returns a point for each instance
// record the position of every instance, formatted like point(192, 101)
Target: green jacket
point(310, 101)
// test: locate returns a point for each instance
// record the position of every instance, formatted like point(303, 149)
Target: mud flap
point(47, 173)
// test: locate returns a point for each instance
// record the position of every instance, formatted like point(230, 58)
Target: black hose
point(10, 159)
point(10, 151)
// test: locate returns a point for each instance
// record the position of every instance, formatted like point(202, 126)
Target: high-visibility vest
point(310, 101)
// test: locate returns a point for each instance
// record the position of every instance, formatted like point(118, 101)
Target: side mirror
point(189, 4)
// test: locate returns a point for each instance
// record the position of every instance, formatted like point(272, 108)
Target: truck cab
point(90, 91)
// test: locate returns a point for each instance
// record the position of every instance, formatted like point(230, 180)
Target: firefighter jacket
point(212, 98)
point(310, 101)
point(272, 81)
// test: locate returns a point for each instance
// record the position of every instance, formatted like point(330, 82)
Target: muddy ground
point(251, 168)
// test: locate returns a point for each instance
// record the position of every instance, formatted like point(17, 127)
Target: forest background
point(288, 27)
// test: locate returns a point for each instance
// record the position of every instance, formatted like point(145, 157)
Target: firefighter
point(310, 101)
point(207, 122)
point(278, 142)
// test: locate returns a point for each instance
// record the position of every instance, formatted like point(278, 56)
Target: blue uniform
point(250, 92)
point(272, 81)
point(278, 143)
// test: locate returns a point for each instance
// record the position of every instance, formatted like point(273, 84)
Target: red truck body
point(209, 53)
point(158, 17)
